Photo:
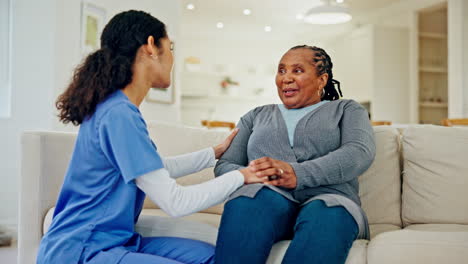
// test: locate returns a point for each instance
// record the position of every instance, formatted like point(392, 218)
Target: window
point(5, 57)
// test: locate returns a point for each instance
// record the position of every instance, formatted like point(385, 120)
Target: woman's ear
point(323, 79)
point(151, 49)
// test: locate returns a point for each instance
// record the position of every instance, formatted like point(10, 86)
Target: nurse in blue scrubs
point(115, 163)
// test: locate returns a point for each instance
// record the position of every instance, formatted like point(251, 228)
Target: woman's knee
point(265, 201)
point(333, 224)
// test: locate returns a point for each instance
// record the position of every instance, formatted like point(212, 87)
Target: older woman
point(312, 147)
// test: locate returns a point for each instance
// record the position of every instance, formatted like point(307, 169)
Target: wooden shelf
point(433, 69)
point(433, 105)
point(432, 35)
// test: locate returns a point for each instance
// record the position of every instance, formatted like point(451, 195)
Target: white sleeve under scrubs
point(99, 202)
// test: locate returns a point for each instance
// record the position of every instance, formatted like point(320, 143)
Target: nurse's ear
point(150, 48)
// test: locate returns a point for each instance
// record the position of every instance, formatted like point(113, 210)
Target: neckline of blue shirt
point(293, 116)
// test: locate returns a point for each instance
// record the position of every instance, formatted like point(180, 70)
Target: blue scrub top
point(99, 202)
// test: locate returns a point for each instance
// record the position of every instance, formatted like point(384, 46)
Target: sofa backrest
point(435, 179)
point(380, 185)
point(44, 161)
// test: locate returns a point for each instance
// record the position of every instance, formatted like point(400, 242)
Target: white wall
point(31, 95)
point(391, 76)
point(458, 58)
point(372, 64)
point(46, 48)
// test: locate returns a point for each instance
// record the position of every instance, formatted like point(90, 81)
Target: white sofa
point(415, 194)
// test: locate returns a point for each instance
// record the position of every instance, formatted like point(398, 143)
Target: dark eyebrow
point(294, 65)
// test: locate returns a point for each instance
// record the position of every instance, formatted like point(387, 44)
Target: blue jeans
point(171, 250)
point(250, 226)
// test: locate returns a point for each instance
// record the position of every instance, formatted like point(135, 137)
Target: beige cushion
point(161, 226)
point(154, 222)
point(439, 227)
point(172, 139)
point(380, 185)
point(357, 254)
point(410, 247)
point(435, 180)
point(207, 218)
point(376, 229)
point(47, 220)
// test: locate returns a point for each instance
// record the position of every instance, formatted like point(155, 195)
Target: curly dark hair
point(323, 64)
point(109, 68)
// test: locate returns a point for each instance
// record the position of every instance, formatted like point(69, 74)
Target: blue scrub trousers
point(171, 250)
point(250, 226)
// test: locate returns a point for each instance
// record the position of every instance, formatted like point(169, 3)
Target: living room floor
point(8, 255)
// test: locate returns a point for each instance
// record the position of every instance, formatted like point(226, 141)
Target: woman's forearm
point(182, 165)
point(177, 200)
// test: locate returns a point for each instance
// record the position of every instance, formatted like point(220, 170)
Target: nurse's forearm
point(189, 163)
point(177, 200)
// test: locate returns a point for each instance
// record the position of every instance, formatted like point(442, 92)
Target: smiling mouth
point(288, 92)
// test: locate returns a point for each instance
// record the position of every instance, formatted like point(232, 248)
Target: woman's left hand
point(221, 148)
point(281, 173)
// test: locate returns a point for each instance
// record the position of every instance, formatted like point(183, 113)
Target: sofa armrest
point(44, 159)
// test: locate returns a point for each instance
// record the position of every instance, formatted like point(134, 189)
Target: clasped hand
point(273, 172)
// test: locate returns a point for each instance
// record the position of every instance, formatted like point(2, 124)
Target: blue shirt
point(99, 202)
point(292, 116)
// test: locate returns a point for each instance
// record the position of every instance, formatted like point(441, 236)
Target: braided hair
point(323, 64)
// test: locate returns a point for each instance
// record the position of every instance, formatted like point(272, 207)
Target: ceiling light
point(267, 28)
point(190, 7)
point(327, 14)
point(339, 1)
point(299, 16)
point(219, 25)
point(247, 12)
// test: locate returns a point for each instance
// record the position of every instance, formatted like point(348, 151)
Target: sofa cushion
point(438, 227)
point(380, 185)
point(435, 176)
point(154, 222)
point(376, 229)
point(207, 218)
point(356, 255)
point(409, 247)
point(161, 226)
point(173, 139)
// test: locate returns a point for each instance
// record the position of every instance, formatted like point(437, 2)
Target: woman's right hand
point(251, 177)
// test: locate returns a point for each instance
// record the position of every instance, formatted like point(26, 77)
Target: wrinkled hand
point(221, 148)
point(280, 173)
point(251, 177)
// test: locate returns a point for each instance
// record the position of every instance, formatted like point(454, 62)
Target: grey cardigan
point(333, 145)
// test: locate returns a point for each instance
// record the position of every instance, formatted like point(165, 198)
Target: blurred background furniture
point(214, 124)
point(381, 123)
point(455, 122)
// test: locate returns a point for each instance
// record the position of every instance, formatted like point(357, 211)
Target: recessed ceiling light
point(267, 28)
point(247, 12)
point(299, 16)
point(190, 6)
point(219, 25)
point(327, 14)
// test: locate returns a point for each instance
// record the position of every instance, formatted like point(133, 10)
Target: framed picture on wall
point(163, 95)
point(93, 19)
